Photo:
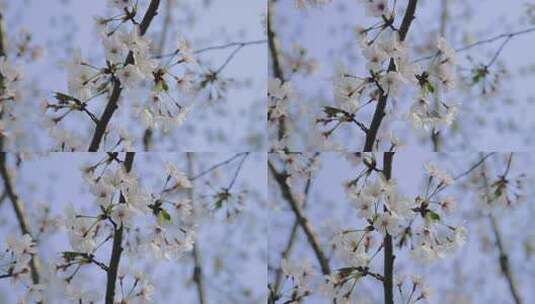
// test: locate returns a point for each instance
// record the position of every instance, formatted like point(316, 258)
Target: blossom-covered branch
point(276, 69)
point(21, 217)
point(102, 125)
point(117, 247)
point(379, 113)
point(388, 281)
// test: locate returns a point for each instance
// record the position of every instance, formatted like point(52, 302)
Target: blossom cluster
point(421, 224)
point(390, 72)
point(418, 223)
point(10, 94)
point(16, 261)
point(130, 64)
point(279, 95)
point(158, 224)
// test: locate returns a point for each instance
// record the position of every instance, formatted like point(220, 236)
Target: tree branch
point(19, 212)
point(503, 256)
point(435, 134)
point(2, 36)
point(197, 269)
point(507, 36)
point(2, 87)
point(104, 120)
point(388, 282)
point(274, 290)
point(504, 261)
point(275, 62)
point(474, 166)
point(117, 248)
point(379, 113)
point(312, 239)
point(7, 275)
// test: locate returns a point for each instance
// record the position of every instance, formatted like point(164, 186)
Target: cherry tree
point(141, 233)
point(371, 75)
point(390, 238)
point(138, 75)
point(266, 151)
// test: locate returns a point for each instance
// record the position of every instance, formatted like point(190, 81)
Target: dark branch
point(117, 248)
point(274, 290)
point(19, 212)
point(104, 120)
point(275, 62)
point(379, 113)
point(301, 218)
point(388, 281)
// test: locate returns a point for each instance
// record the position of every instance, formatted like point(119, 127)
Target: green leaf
point(164, 216)
point(73, 255)
point(219, 203)
point(64, 98)
point(332, 112)
point(69, 255)
point(429, 87)
point(479, 74)
point(161, 85)
point(432, 216)
point(221, 198)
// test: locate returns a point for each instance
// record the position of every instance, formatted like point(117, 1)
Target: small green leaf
point(479, 74)
point(432, 216)
point(332, 112)
point(161, 85)
point(221, 198)
point(64, 98)
point(164, 216)
point(429, 87)
point(219, 203)
point(69, 255)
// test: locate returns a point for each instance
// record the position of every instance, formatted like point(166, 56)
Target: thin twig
point(228, 45)
point(237, 172)
point(197, 269)
point(212, 168)
point(435, 134)
point(508, 36)
point(474, 166)
point(503, 256)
